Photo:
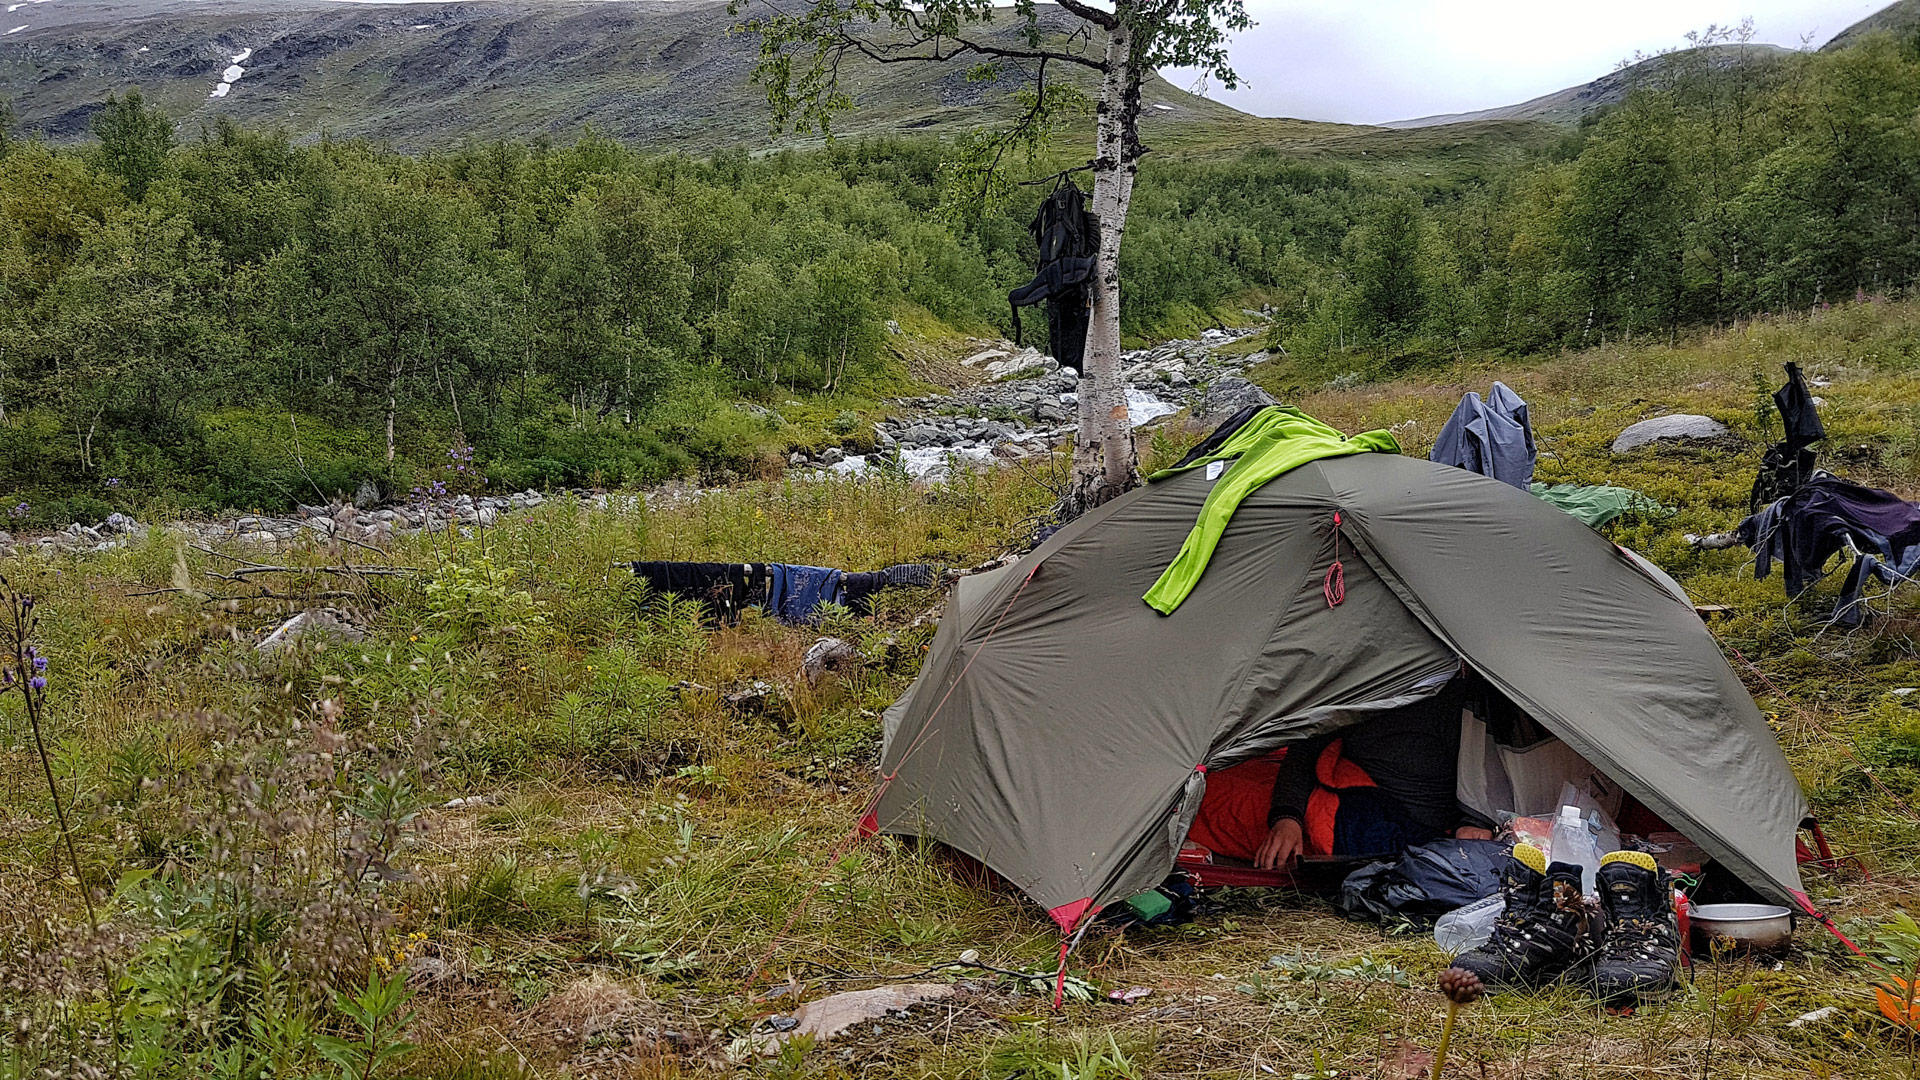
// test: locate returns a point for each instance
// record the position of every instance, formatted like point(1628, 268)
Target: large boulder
point(1668, 429)
point(1026, 360)
point(1227, 396)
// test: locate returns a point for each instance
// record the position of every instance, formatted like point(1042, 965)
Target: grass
point(264, 834)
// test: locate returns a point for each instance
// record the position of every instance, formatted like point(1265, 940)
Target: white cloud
point(1397, 59)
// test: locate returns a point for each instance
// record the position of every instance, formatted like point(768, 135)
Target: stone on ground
point(1668, 428)
point(827, 654)
point(1227, 396)
point(829, 1016)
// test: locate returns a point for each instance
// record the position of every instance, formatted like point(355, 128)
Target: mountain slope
point(1898, 18)
point(1569, 105)
point(418, 76)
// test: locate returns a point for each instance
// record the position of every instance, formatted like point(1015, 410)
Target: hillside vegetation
point(240, 321)
point(634, 839)
point(663, 75)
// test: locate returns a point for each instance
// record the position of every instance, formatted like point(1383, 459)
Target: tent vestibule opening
point(1507, 769)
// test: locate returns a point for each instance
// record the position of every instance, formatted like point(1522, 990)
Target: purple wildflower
point(39, 663)
point(38, 682)
point(113, 481)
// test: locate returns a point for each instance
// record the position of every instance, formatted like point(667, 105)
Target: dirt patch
point(594, 1009)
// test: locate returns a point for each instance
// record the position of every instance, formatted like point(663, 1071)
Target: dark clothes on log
point(724, 588)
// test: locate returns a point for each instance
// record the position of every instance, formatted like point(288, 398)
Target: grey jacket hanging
point(1491, 437)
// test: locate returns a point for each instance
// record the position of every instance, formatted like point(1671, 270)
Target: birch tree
point(803, 46)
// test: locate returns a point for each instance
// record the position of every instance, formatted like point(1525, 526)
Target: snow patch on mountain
point(229, 76)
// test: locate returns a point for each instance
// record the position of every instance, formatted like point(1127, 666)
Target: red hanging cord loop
point(1335, 586)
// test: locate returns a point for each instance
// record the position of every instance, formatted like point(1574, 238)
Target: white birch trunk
point(1103, 457)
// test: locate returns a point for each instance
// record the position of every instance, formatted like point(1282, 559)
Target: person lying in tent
point(1376, 788)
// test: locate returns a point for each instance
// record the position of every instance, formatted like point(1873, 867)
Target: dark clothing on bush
point(793, 592)
point(790, 593)
point(724, 588)
point(1813, 524)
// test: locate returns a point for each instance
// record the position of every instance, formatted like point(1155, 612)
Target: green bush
point(252, 458)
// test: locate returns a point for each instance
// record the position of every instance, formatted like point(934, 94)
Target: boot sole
point(1652, 995)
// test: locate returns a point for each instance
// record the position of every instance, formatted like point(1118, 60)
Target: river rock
point(1018, 364)
point(368, 496)
point(1669, 428)
point(1227, 396)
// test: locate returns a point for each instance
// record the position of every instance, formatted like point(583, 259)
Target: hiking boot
point(1640, 955)
point(1543, 932)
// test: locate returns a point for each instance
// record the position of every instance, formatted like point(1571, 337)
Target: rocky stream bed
point(1023, 409)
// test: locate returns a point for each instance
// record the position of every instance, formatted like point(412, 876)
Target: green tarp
point(1594, 504)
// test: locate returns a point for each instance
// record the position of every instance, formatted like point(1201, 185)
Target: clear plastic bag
point(1468, 927)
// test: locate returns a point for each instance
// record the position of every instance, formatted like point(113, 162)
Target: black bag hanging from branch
point(1068, 235)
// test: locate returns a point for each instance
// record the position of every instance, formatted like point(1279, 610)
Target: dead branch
point(1106, 20)
point(357, 571)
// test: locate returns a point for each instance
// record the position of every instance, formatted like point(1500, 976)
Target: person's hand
point(1472, 832)
point(1284, 843)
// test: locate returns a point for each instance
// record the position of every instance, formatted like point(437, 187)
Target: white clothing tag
point(1215, 468)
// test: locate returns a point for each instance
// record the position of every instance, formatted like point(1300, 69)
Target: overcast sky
point(1370, 61)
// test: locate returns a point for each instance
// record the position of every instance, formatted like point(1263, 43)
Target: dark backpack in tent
point(1427, 882)
point(1068, 236)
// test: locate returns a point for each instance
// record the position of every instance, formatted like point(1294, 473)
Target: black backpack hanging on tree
point(1068, 235)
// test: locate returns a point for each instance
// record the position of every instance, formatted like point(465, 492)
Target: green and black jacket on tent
point(1061, 729)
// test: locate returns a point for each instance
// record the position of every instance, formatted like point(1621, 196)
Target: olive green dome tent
point(1061, 729)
